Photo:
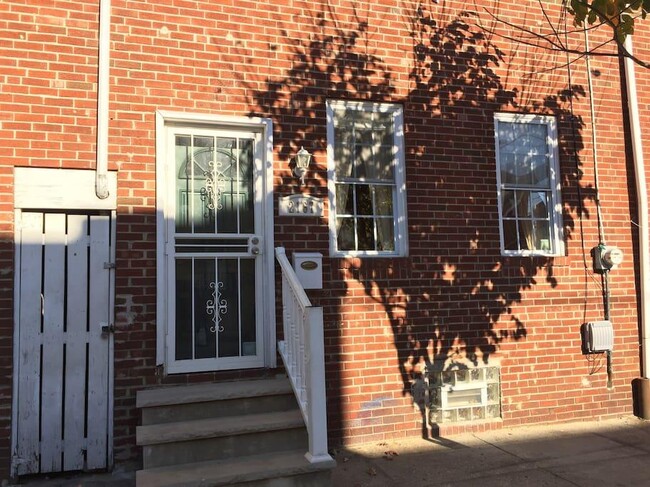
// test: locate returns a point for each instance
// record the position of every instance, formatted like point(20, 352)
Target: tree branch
point(553, 42)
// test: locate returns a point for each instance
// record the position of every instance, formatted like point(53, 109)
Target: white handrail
point(303, 354)
point(290, 274)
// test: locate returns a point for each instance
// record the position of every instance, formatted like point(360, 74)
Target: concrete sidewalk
point(606, 453)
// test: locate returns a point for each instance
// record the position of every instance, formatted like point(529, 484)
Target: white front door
point(214, 249)
point(63, 340)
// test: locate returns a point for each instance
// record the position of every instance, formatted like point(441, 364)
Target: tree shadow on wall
point(450, 304)
point(333, 65)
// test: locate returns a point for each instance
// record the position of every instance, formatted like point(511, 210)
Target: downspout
point(101, 170)
point(644, 239)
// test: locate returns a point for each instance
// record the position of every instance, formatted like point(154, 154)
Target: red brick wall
point(454, 296)
point(47, 118)
point(6, 316)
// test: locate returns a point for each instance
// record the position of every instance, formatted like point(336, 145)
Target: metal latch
point(106, 329)
point(109, 265)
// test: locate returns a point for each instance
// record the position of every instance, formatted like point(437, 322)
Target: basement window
point(464, 395)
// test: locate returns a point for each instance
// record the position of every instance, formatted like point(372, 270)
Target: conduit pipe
point(594, 144)
point(103, 80)
point(599, 212)
point(642, 202)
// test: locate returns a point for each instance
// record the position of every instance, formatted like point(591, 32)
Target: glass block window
point(366, 178)
point(530, 213)
point(464, 395)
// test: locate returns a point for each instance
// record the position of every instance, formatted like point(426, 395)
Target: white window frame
point(165, 208)
point(399, 196)
point(555, 207)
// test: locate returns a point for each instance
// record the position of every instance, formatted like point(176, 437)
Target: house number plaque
point(300, 205)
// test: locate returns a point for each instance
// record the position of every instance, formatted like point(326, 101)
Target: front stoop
point(241, 433)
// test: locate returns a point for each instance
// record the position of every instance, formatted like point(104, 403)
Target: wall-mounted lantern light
point(301, 163)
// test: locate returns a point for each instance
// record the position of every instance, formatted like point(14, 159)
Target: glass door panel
point(215, 308)
point(214, 184)
point(248, 335)
point(216, 273)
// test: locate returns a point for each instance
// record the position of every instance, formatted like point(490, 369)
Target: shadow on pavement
point(613, 452)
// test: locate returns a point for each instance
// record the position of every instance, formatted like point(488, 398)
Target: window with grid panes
point(530, 213)
point(366, 179)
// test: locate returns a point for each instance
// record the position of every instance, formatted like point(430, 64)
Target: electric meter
point(606, 257)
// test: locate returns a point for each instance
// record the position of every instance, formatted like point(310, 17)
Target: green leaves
point(619, 15)
point(579, 10)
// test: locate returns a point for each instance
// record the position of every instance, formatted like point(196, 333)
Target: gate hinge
point(109, 265)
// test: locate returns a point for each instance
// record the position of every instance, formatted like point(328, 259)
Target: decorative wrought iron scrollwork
point(215, 180)
point(216, 307)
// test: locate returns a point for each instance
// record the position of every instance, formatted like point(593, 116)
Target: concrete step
point(215, 427)
point(221, 438)
point(211, 391)
point(200, 401)
point(286, 469)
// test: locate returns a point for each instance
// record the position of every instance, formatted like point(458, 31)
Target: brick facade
point(455, 297)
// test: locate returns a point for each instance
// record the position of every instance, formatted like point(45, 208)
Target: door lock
point(255, 245)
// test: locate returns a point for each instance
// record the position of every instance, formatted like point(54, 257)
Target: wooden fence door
point(63, 310)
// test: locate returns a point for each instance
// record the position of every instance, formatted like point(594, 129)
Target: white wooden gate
point(63, 342)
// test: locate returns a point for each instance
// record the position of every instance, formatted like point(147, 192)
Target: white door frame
point(267, 310)
point(42, 189)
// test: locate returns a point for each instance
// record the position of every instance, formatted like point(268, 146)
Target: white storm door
point(214, 248)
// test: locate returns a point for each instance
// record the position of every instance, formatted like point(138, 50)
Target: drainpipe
point(101, 170)
point(641, 387)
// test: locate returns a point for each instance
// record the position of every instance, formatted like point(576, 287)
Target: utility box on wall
point(598, 336)
point(309, 269)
